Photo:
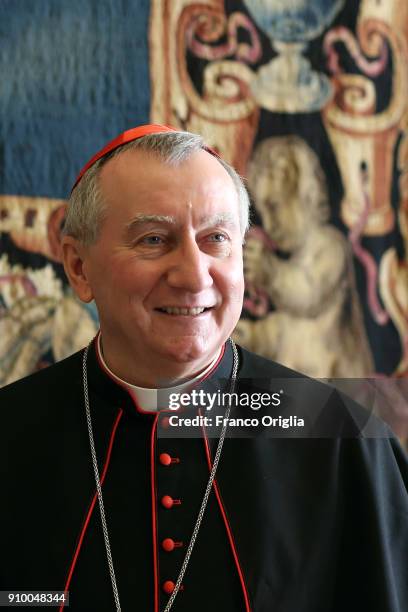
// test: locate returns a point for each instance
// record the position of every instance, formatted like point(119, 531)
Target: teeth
point(183, 311)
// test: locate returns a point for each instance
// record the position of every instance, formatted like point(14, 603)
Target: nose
point(190, 268)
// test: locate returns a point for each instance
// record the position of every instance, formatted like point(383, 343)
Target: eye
point(218, 237)
point(152, 240)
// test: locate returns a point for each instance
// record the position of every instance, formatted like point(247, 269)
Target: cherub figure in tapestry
point(304, 265)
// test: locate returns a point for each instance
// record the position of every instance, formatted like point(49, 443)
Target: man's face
point(166, 270)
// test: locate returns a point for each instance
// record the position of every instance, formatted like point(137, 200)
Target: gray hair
point(86, 206)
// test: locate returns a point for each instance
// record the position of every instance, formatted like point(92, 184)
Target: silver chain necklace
point(206, 494)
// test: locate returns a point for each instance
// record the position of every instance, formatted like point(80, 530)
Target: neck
point(141, 373)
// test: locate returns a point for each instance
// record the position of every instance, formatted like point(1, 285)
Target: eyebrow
point(225, 218)
point(142, 219)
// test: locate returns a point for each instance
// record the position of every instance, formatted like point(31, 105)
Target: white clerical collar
point(149, 399)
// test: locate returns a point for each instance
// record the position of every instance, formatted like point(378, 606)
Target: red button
point(168, 587)
point(165, 459)
point(168, 545)
point(168, 502)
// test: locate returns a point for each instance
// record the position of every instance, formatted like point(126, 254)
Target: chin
point(190, 349)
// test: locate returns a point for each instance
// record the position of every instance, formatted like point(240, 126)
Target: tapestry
point(308, 99)
point(74, 74)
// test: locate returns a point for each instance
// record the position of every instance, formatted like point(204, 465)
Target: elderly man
point(100, 501)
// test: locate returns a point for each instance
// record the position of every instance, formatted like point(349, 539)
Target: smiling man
point(166, 270)
point(103, 500)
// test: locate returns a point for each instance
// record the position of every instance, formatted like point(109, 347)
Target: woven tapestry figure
point(304, 265)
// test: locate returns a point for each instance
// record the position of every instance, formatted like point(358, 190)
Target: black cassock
point(293, 525)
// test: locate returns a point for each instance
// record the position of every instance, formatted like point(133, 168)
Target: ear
point(74, 258)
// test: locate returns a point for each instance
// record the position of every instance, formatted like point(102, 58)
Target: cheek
point(233, 286)
point(131, 279)
point(238, 294)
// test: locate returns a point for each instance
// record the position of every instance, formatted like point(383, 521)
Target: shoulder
point(256, 366)
point(340, 434)
point(49, 384)
point(39, 414)
point(328, 411)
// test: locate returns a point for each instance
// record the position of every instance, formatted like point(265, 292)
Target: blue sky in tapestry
point(73, 75)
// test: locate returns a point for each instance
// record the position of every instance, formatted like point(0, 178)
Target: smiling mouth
point(189, 312)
